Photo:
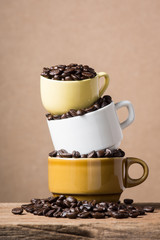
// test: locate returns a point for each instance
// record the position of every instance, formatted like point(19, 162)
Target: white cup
point(93, 131)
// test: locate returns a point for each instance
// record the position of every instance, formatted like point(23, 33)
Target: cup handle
point(131, 114)
point(106, 82)
point(130, 182)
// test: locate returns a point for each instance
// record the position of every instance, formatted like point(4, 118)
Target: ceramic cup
point(93, 131)
point(103, 179)
point(59, 97)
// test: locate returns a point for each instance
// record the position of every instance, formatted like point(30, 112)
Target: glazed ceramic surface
point(92, 131)
point(59, 97)
point(94, 178)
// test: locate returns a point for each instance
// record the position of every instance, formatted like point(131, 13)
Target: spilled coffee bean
point(94, 154)
point(18, 211)
point(69, 207)
point(100, 103)
point(71, 72)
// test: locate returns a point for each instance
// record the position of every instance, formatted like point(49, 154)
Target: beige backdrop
point(119, 37)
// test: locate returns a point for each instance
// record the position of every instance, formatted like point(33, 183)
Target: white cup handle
point(131, 114)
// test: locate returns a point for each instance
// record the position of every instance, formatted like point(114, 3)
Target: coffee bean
point(56, 117)
point(98, 215)
point(128, 201)
point(65, 155)
point(50, 213)
point(148, 209)
point(134, 214)
point(54, 72)
point(96, 105)
point(62, 197)
point(84, 215)
point(76, 154)
point(90, 109)
point(66, 203)
point(87, 74)
point(46, 210)
point(62, 151)
point(73, 112)
point(71, 215)
point(100, 153)
point(80, 112)
point(63, 116)
point(92, 154)
point(45, 74)
point(68, 78)
point(53, 153)
point(52, 199)
point(107, 99)
point(49, 116)
point(71, 199)
point(17, 211)
point(84, 155)
point(108, 153)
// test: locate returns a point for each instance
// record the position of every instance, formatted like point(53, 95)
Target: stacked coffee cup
point(86, 134)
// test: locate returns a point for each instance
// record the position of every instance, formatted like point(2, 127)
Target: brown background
point(121, 38)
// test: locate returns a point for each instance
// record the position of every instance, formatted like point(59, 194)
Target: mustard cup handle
point(106, 82)
point(130, 182)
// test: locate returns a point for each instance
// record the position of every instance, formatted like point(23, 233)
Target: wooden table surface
point(28, 226)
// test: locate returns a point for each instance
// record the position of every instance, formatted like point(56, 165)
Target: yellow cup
point(103, 179)
point(59, 97)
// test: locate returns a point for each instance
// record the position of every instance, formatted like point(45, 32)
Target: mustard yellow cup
point(59, 97)
point(103, 179)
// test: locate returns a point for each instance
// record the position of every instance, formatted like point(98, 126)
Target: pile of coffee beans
point(100, 103)
point(94, 154)
point(71, 72)
point(70, 207)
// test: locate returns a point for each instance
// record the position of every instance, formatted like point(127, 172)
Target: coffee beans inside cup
point(71, 72)
point(69, 207)
point(94, 154)
point(100, 103)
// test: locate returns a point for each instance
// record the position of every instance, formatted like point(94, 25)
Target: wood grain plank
point(28, 226)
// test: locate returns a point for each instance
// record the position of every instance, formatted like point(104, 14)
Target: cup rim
point(85, 159)
point(89, 113)
point(69, 82)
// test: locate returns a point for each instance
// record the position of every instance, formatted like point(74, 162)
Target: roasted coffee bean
point(65, 155)
point(71, 215)
point(98, 215)
point(68, 115)
point(122, 153)
point(71, 199)
point(56, 117)
point(68, 78)
point(134, 214)
point(53, 153)
point(108, 153)
point(17, 211)
point(90, 109)
point(62, 151)
point(84, 215)
point(54, 72)
point(107, 99)
point(29, 209)
point(96, 105)
point(104, 104)
point(52, 199)
point(63, 116)
point(24, 206)
point(140, 210)
point(79, 203)
point(84, 155)
point(128, 201)
point(49, 116)
point(80, 112)
point(148, 209)
point(62, 197)
point(45, 74)
point(100, 153)
point(46, 210)
point(73, 112)
point(66, 203)
point(50, 213)
point(88, 74)
point(76, 154)
point(92, 154)
point(56, 77)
